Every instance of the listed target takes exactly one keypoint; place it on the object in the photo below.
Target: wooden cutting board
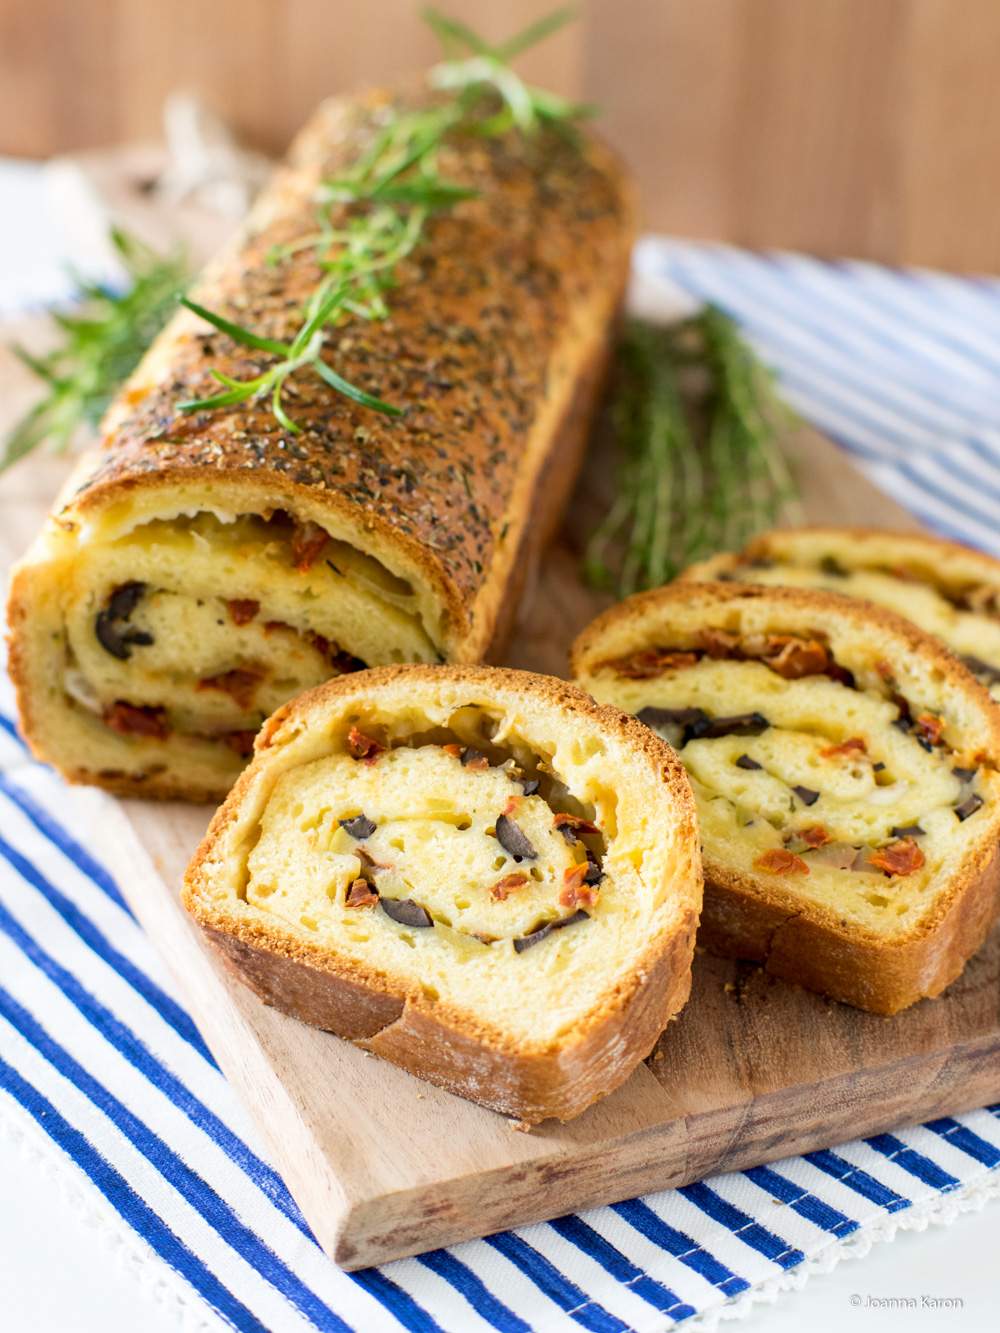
(383, 1165)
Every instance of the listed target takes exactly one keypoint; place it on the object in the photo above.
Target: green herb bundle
(697, 422)
(374, 214)
(102, 343)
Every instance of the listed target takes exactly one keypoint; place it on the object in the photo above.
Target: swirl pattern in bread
(950, 591)
(844, 765)
(479, 874)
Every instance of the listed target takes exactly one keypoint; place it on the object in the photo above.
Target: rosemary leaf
(101, 345)
(700, 472)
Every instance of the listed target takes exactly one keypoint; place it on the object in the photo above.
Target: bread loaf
(845, 769)
(950, 591)
(203, 568)
(478, 874)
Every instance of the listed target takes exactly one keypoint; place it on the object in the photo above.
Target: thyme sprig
(101, 345)
(374, 214)
(702, 469)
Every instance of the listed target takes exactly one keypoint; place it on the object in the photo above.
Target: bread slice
(845, 769)
(947, 589)
(200, 570)
(479, 874)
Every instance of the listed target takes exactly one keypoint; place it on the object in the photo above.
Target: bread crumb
(522, 1126)
(699, 949)
(728, 986)
(658, 1055)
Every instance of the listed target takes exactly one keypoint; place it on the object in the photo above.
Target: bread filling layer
(202, 628)
(814, 779)
(966, 619)
(424, 838)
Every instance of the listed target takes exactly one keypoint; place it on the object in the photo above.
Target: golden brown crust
(937, 555)
(509, 297)
(760, 917)
(629, 619)
(436, 1040)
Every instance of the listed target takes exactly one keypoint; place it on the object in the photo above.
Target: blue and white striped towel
(101, 1066)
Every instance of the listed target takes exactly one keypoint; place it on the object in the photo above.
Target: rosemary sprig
(100, 347)
(375, 212)
(696, 477)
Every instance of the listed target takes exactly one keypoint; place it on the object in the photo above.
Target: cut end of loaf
(479, 874)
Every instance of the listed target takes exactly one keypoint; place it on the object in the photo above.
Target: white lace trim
(178, 1299)
(127, 1249)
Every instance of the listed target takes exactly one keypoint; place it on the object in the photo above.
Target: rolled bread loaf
(202, 569)
(479, 874)
(845, 769)
(949, 590)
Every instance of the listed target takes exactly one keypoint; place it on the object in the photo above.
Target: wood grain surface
(753, 1069)
(843, 127)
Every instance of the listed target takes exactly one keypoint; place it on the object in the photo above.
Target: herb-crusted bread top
(486, 324)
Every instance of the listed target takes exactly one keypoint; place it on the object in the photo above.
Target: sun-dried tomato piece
(885, 670)
(271, 625)
(719, 643)
(506, 886)
(778, 861)
(308, 541)
(243, 609)
(796, 658)
(854, 745)
(902, 858)
(360, 894)
(240, 684)
(930, 727)
(576, 892)
(816, 836)
(474, 761)
(240, 741)
(363, 747)
(454, 750)
(651, 662)
(130, 720)
(512, 805)
(571, 826)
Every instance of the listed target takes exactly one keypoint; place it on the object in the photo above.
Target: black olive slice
(121, 604)
(526, 941)
(878, 768)
(469, 756)
(124, 600)
(746, 762)
(806, 795)
(529, 785)
(358, 827)
(672, 717)
(740, 724)
(594, 873)
(902, 724)
(969, 806)
(512, 840)
(831, 565)
(964, 774)
(109, 638)
(907, 831)
(988, 675)
(406, 912)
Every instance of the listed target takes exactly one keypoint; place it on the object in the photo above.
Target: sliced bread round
(845, 769)
(479, 874)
